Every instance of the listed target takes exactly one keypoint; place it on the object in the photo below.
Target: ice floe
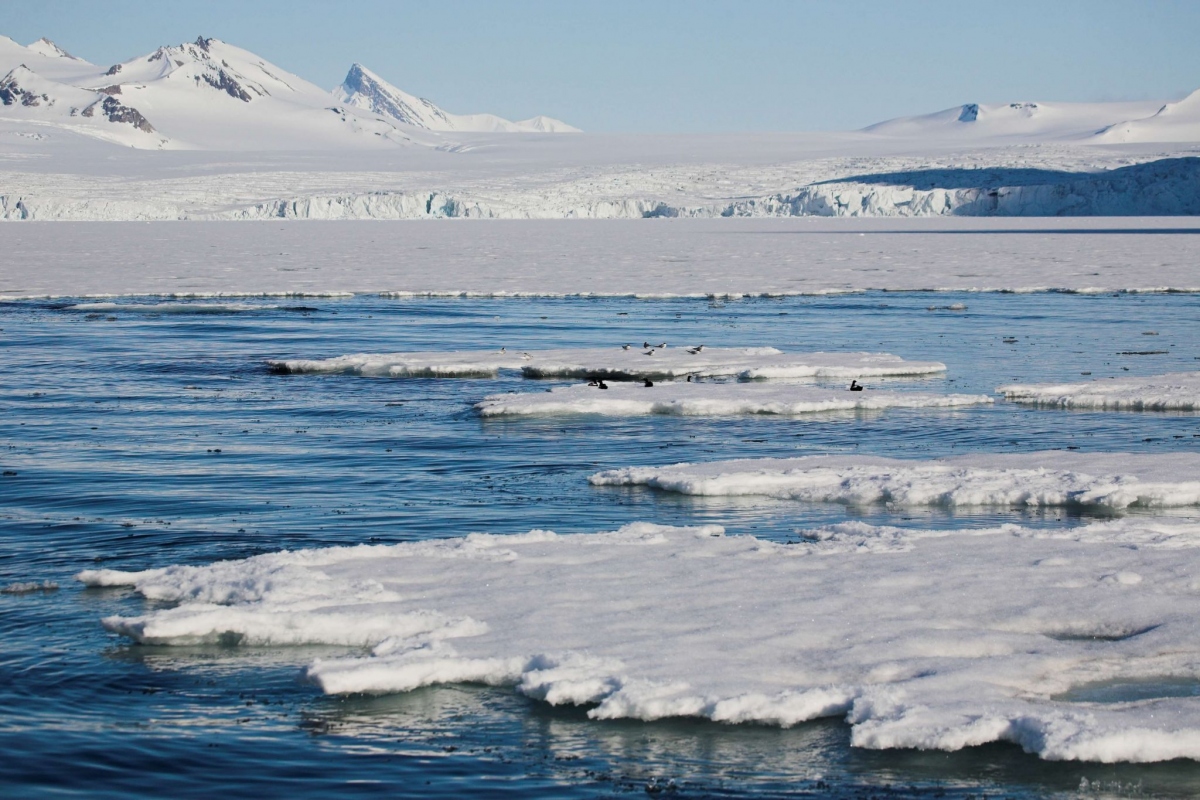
(918, 638)
(1054, 478)
(654, 362)
(1175, 391)
(683, 398)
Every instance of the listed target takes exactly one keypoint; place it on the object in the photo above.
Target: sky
(668, 66)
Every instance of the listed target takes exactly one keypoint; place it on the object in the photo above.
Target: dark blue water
(140, 439)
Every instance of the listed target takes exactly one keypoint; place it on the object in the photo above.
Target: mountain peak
(48, 48)
(363, 89)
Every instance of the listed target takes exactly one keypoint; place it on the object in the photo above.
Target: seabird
(696, 349)
(603, 385)
(645, 345)
(503, 349)
(624, 347)
(661, 346)
(526, 356)
(648, 353)
(649, 383)
(854, 387)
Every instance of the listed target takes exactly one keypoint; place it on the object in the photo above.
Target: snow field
(929, 639)
(1113, 481)
(615, 363)
(710, 399)
(718, 259)
(1175, 391)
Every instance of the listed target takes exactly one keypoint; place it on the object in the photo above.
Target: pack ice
(918, 638)
(1175, 391)
(709, 399)
(1114, 481)
(654, 362)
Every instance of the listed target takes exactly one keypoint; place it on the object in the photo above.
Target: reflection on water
(1132, 691)
(140, 440)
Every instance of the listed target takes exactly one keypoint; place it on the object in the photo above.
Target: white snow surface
(1175, 391)
(1173, 122)
(681, 398)
(618, 258)
(1103, 481)
(637, 363)
(917, 638)
(1048, 121)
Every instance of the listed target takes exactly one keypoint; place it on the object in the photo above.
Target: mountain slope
(366, 90)
(1014, 121)
(211, 95)
(1174, 122)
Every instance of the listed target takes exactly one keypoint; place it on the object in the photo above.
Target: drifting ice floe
(925, 639)
(1175, 391)
(710, 399)
(616, 363)
(1103, 480)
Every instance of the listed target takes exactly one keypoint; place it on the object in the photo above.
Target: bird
(645, 344)
(526, 356)
(696, 349)
(649, 383)
(648, 353)
(661, 346)
(603, 385)
(624, 347)
(503, 349)
(854, 387)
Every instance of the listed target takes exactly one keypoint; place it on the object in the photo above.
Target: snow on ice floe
(655, 362)
(682, 398)
(1111, 481)
(1176, 391)
(918, 638)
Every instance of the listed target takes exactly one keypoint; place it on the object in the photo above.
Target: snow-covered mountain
(366, 90)
(1016, 121)
(1173, 122)
(211, 95)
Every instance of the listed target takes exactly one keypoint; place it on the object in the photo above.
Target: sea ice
(710, 399)
(1054, 478)
(918, 638)
(615, 363)
(1175, 391)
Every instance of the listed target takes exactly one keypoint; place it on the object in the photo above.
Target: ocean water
(136, 436)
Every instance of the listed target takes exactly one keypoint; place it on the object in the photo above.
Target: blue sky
(669, 66)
